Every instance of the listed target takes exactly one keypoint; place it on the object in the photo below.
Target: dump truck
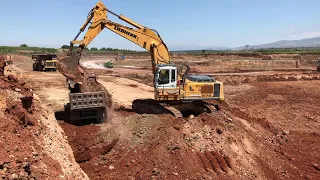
(318, 65)
(85, 107)
(44, 62)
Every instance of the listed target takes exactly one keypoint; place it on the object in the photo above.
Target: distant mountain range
(309, 42)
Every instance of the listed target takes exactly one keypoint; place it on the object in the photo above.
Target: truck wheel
(74, 118)
(34, 67)
(39, 67)
(100, 116)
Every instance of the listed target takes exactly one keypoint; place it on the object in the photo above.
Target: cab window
(173, 75)
(163, 76)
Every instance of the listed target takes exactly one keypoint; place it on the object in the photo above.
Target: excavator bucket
(69, 67)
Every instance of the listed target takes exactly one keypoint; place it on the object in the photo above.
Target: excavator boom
(142, 36)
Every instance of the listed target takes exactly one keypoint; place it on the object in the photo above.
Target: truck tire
(39, 67)
(100, 116)
(34, 67)
(74, 118)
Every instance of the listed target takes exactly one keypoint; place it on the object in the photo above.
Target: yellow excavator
(175, 90)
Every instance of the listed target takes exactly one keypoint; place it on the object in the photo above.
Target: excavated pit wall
(34, 145)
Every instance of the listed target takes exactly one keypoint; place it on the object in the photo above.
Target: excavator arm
(142, 36)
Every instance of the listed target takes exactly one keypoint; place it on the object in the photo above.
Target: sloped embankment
(33, 145)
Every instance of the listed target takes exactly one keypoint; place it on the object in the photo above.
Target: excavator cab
(166, 76)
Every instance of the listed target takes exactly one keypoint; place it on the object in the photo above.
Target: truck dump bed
(87, 100)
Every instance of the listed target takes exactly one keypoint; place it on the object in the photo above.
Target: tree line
(25, 49)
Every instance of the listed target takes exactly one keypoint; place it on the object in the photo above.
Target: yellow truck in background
(44, 62)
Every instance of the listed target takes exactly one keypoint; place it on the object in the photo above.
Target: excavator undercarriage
(178, 109)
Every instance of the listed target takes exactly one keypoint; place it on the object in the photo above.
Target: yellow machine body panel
(50, 64)
(203, 90)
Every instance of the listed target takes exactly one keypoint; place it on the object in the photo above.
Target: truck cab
(44, 62)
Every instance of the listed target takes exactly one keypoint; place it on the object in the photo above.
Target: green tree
(108, 65)
(94, 49)
(23, 45)
(65, 47)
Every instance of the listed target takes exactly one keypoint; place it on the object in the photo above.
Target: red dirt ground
(157, 150)
(261, 133)
(290, 113)
(268, 128)
(21, 154)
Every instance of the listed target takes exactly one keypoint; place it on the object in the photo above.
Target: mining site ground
(268, 127)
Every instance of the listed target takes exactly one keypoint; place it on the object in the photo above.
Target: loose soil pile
(151, 146)
(70, 68)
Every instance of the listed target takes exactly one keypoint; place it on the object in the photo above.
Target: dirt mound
(17, 126)
(25, 137)
(156, 147)
(2, 65)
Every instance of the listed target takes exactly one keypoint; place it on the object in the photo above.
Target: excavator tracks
(150, 106)
(177, 109)
(173, 110)
(211, 107)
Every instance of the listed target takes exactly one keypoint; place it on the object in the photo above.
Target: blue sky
(183, 24)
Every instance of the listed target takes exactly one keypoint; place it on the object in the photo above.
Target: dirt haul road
(265, 130)
(52, 87)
